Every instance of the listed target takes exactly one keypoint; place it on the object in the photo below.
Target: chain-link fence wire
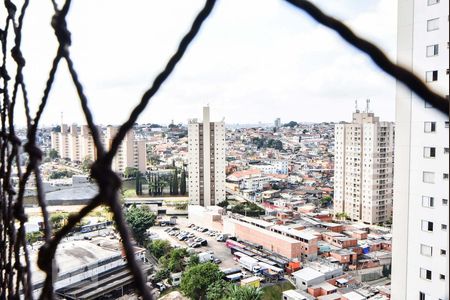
(15, 271)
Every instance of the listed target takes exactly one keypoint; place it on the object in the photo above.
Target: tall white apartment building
(206, 161)
(76, 144)
(131, 152)
(363, 172)
(420, 263)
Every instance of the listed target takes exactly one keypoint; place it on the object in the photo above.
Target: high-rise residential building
(277, 123)
(206, 161)
(420, 264)
(131, 152)
(76, 144)
(363, 172)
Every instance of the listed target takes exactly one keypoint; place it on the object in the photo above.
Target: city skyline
(247, 79)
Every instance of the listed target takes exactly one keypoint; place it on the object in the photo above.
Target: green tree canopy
(197, 279)
(217, 290)
(53, 154)
(130, 172)
(140, 219)
(86, 165)
(183, 183)
(235, 292)
(291, 124)
(58, 219)
(159, 248)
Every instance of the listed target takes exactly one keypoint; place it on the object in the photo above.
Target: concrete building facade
(363, 171)
(420, 264)
(206, 147)
(76, 144)
(131, 152)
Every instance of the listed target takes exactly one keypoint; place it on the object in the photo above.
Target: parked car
(196, 245)
(217, 261)
(203, 242)
(161, 286)
(204, 230)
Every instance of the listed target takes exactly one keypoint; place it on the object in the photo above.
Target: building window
(426, 250)
(429, 152)
(427, 226)
(425, 274)
(443, 252)
(444, 227)
(427, 201)
(446, 150)
(445, 202)
(431, 76)
(428, 177)
(430, 127)
(422, 296)
(432, 2)
(433, 24)
(441, 276)
(445, 176)
(446, 124)
(432, 50)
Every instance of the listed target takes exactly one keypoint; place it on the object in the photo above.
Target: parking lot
(219, 250)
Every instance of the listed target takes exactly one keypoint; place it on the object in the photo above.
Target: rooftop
(308, 274)
(294, 232)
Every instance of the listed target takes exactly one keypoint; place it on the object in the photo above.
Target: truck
(204, 257)
(233, 277)
(230, 271)
(249, 264)
(270, 271)
(253, 281)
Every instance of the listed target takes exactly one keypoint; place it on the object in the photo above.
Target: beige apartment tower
(420, 242)
(76, 144)
(131, 152)
(363, 171)
(206, 161)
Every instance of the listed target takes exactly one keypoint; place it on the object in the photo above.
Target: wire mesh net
(15, 270)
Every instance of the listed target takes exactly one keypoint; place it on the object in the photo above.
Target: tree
(138, 184)
(196, 280)
(33, 237)
(175, 182)
(341, 216)
(175, 262)
(60, 174)
(162, 274)
(217, 290)
(159, 248)
(58, 219)
(183, 183)
(325, 201)
(291, 124)
(386, 270)
(140, 219)
(244, 293)
(130, 172)
(53, 154)
(193, 260)
(223, 204)
(86, 165)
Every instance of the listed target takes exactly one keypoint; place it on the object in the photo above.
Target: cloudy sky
(254, 60)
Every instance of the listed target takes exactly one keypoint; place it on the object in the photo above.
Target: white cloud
(252, 61)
